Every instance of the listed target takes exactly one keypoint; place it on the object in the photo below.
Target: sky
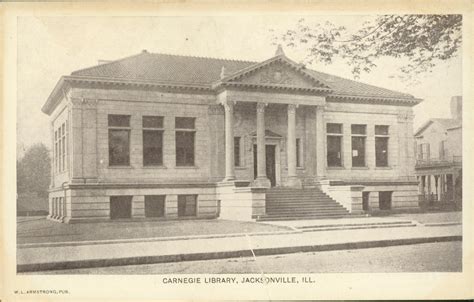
(49, 47)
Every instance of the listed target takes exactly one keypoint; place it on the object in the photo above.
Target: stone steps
(300, 204)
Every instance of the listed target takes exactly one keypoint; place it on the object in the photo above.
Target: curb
(36, 267)
(430, 224)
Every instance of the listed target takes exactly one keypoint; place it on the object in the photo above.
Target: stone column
(261, 180)
(291, 147)
(320, 144)
(229, 141)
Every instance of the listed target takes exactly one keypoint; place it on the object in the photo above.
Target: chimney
(456, 107)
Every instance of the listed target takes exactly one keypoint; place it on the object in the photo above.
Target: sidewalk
(133, 253)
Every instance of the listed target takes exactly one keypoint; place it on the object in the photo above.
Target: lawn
(40, 230)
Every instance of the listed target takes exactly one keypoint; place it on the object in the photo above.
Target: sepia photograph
(238, 149)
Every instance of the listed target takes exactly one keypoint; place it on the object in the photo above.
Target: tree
(33, 170)
(422, 40)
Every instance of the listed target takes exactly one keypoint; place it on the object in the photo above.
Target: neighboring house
(171, 137)
(439, 156)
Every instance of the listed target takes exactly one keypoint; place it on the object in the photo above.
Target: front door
(270, 163)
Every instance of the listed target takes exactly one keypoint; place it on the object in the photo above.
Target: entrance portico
(285, 150)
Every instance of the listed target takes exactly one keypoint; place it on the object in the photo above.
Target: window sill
(119, 167)
(384, 168)
(155, 167)
(186, 167)
(337, 168)
(360, 168)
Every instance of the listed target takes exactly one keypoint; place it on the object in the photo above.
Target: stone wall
(401, 159)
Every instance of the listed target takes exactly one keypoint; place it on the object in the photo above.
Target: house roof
(446, 123)
(202, 72)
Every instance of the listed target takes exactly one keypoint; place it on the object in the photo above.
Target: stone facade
(258, 112)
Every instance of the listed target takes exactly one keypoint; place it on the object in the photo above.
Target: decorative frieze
(215, 110)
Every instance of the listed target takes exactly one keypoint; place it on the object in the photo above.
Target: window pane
(187, 205)
(184, 123)
(155, 206)
(334, 155)
(152, 147)
(334, 128)
(358, 151)
(119, 120)
(119, 147)
(152, 122)
(358, 129)
(381, 130)
(237, 151)
(381, 151)
(184, 148)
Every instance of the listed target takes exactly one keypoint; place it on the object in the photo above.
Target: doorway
(270, 163)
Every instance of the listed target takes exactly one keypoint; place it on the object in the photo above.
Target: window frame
(362, 136)
(191, 131)
(183, 198)
(151, 129)
(111, 129)
(339, 135)
(384, 137)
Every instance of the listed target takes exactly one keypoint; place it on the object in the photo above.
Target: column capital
(215, 110)
(292, 108)
(228, 106)
(261, 107)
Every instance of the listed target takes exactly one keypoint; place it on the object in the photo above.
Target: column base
(294, 182)
(262, 182)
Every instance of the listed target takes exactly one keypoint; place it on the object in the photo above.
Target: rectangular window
(334, 145)
(298, 153)
(442, 150)
(385, 200)
(119, 140)
(381, 146)
(120, 207)
(187, 205)
(185, 133)
(381, 151)
(237, 162)
(381, 130)
(358, 145)
(116, 120)
(60, 143)
(152, 140)
(334, 155)
(63, 127)
(155, 206)
(56, 151)
(184, 123)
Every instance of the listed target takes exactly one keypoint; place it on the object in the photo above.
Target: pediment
(277, 72)
(268, 134)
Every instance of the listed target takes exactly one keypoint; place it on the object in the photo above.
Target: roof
(446, 123)
(165, 68)
(203, 72)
